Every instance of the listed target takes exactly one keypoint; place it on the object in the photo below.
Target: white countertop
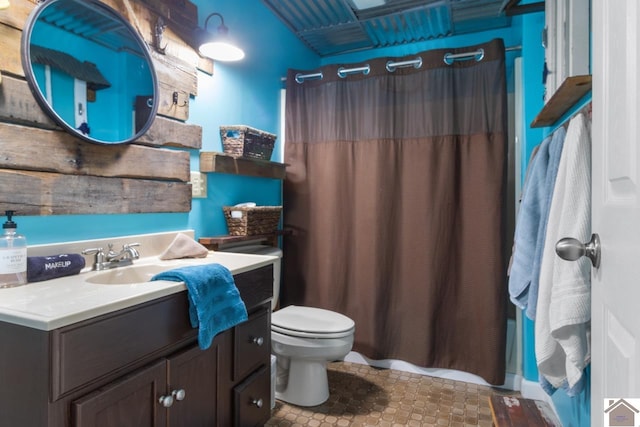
(63, 301)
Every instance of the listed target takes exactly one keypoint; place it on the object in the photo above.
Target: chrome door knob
(571, 249)
(257, 341)
(257, 402)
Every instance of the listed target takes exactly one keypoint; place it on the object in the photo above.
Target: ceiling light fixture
(217, 46)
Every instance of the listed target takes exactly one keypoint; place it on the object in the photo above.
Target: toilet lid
(311, 322)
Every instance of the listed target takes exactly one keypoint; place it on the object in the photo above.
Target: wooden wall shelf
(214, 243)
(569, 92)
(222, 163)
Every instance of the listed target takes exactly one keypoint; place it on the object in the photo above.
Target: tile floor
(361, 395)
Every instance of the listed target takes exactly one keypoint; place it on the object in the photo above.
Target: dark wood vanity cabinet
(182, 389)
(141, 366)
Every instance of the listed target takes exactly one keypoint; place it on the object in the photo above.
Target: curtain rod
(391, 66)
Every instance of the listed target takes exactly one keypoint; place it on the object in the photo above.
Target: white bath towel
(563, 316)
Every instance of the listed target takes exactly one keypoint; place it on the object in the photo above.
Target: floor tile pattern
(362, 395)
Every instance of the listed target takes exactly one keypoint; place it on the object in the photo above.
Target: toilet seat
(311, 322)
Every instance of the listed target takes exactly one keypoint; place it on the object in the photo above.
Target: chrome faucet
(113, 259)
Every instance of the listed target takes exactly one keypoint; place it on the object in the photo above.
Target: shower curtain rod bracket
(449, 58)
(415, 63)
(344, 72)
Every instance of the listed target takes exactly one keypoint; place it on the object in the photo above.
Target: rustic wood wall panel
(41, 193)
(45, 171)
(60, 152)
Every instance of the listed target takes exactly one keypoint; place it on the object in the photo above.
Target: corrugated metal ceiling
(89, 22)
(331, 27)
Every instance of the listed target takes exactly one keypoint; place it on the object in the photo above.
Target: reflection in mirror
(90, 70)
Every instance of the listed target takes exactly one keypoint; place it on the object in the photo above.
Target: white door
(80, 102)
(616, 203)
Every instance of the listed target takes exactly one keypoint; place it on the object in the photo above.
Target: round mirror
(90, 70)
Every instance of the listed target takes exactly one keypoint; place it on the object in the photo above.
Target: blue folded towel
(214, 300)
(41, 268)
(531, 225)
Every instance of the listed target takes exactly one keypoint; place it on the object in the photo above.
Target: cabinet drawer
(255, 286)
(252, 344)
(94, 348)
(252, 399)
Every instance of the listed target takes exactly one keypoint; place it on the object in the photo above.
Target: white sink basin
(127, 275)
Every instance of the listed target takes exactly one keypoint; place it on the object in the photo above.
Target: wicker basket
(244, 141)
(251, 221)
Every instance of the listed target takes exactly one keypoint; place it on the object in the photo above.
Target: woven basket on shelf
(252, 221)
(244, 141)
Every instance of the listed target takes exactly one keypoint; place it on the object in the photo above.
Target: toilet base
(306, 382)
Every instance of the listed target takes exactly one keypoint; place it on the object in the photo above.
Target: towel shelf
(567, 95)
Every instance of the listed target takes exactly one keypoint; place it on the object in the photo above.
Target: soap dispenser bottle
(13, 255)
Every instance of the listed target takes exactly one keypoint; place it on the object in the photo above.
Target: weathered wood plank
(176, 72)
(57, 151)
(41, 193)
(16, 15)
(144, 19)
(172, 133)
(18, 105)
(182, 13)
(10, 50)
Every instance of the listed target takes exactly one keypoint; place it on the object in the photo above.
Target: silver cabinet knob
(571, 249)
(257, 402)
(258, 341)
(166, 401)
(178, 394)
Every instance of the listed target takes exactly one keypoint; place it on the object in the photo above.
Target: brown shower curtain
(395, 197)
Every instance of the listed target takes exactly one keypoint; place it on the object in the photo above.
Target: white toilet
(304, 340)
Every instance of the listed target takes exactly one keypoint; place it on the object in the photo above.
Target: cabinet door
(130, 402)
(193, 381)
(252, 399)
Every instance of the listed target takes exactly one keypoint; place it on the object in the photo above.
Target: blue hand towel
(214, 300)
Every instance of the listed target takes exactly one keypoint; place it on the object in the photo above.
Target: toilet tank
(255, 249)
